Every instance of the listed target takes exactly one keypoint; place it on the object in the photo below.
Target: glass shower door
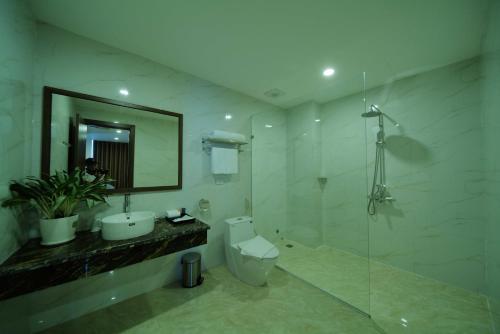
(427, 243)
(309, 175)
(344, 201)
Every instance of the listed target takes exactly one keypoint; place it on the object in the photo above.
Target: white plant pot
(59, 230)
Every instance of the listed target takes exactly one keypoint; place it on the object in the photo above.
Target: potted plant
(57, 199)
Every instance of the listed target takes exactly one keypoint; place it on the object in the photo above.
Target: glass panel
(438, 206)
(490, 109)
(345, 238)
(309, 194)
(269, 174)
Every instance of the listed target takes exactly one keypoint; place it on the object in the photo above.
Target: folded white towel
(224, 160)
(227, 136)
(173, 213)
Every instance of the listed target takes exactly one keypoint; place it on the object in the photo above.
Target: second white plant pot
(59, 230)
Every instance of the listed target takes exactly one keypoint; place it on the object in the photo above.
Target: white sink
(127, 225)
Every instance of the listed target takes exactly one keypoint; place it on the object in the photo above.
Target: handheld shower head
(392, 120)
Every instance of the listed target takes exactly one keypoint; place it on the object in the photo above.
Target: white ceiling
(253, 46)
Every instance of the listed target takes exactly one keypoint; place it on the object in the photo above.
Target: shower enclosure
(399, 220)
(309, 195)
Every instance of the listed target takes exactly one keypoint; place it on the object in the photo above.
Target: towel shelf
(208, 143)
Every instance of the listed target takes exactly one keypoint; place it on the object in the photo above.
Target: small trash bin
(191, 270)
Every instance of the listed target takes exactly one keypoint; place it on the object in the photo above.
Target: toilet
(249, 256)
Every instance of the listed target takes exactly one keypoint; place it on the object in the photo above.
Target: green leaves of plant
(59, 195)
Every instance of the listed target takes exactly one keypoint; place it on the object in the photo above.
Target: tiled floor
(401, 302)
(223, 304)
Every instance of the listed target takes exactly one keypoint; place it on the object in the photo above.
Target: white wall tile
(67, 61)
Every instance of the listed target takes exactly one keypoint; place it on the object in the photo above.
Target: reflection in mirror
(108, 151)
(138, 148)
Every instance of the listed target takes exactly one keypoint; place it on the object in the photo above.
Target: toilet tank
(238, 229)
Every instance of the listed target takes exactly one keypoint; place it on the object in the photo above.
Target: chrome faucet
(126, 205)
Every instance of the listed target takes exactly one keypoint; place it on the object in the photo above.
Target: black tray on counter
(189, 221)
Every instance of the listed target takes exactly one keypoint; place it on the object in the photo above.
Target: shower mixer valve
(381, 194)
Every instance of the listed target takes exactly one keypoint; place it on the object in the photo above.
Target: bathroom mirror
(139, 148)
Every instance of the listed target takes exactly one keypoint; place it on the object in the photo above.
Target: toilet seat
(258, 247)
(249, 256)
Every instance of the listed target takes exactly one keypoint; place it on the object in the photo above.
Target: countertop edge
(7, 269)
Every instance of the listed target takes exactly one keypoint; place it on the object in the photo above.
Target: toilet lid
(258, 247)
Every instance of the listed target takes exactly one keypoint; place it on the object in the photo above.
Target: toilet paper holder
(204, 205)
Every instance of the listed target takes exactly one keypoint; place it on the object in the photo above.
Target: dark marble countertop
(33, 256)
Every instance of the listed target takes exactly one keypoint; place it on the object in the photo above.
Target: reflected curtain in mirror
(114, 158)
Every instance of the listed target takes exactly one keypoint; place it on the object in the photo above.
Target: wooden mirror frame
(46, 134)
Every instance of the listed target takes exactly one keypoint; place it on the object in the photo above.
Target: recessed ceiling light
(124, 92)
(116, 122)
(317, 120)
(228, 116)
(118, 131)
(268, 126)
(328, 72)
(116, 138)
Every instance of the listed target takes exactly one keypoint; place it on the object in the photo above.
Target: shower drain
(289, 245)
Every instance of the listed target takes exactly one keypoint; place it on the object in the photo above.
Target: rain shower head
(374, 111)
(371, 114)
